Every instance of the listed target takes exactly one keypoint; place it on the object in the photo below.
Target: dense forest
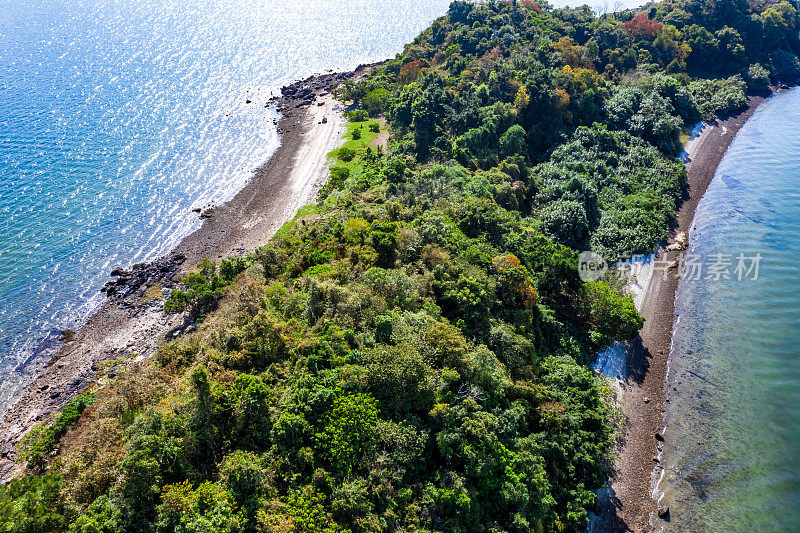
(410, 353)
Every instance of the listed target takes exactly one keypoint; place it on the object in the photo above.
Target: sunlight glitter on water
(116, 119)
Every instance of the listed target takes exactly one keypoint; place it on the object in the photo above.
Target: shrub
(410, 72)
(757, 77)
(204, 288)
(207, 508)
(33, 503)
(346, 154)
(718, 97)
(375, 101)
(44, 438)
(357, 115)
(610, 315)
(348, 435)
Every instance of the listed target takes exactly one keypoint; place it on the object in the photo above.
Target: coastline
(631, 505)
(130, 324)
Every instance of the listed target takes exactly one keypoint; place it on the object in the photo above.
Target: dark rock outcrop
(141, 276)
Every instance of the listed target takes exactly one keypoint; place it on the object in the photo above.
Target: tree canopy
(410, 353)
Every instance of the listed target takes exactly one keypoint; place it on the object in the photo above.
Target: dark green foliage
(608, 314)
(610, 191)
(348, 433)
(203, 288)
(409, 354)
(43, 439)
(32, 504)
(346, 154)
(650, 116)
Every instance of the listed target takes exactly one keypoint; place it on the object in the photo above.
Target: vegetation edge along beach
(410, 352)
(631, 505)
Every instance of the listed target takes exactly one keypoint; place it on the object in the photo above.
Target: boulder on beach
(681, 242)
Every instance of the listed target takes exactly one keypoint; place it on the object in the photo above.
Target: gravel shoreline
(631, 505)
(130, 324)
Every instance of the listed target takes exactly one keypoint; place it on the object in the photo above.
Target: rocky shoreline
(629, 503)
(131, 324)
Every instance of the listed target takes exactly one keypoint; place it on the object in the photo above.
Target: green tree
(347, 436)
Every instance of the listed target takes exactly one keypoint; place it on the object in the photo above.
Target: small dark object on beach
(663, 512)
(324, 120)
(646, 399)
(248, 102)
(196, 210)
(659, 436)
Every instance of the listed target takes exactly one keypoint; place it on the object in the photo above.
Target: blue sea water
(118, 117)
(732, 451)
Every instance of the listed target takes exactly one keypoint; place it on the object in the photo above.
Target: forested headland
(411, 352)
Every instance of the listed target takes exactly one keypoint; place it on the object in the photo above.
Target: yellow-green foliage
(410, 354)
(351, 158)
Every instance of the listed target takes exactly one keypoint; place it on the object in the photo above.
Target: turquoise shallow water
(732, 452)
(116, 118)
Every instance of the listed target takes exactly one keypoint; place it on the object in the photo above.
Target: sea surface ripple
(117, 118)
(733, 422)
